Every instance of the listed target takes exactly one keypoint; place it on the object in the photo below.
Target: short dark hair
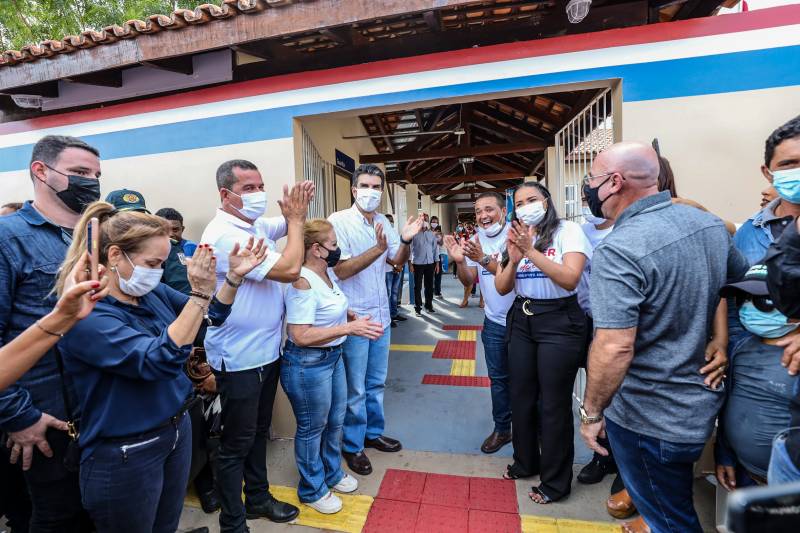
(48, 148)
(225, 176)
(170, 214)
(790, 130)
(367, 168)
(546, 229)
(499, 198)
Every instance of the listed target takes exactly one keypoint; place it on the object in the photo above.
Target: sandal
(513, 472)
(544, 499)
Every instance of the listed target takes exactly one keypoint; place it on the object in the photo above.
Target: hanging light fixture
(577, 10)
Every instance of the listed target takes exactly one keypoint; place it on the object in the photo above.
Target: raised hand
(201, 270)
(362, 327)
(380, 237)
(473, 249)
(241, 261)
(454, 248)
(522, 236)
(412, 227)
(294, 204)
(515, 255)
(81, 293)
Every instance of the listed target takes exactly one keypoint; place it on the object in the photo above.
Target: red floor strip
(458, 381)
(442, 489)
(457, 327)
(390, 515)
(441, 519)
(454, 350)
(402, 485)
(489, 494)
(491, 522)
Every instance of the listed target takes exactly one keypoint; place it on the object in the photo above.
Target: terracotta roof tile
(131, 29)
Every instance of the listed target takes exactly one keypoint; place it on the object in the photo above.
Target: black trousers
(247, 397)
(423, 273)
(544, 352)
(14, 501)
(437, 280)
(201, 473)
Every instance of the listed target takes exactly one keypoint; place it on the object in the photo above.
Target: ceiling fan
(458, 131)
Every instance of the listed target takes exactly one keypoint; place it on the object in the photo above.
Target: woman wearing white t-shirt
(312, 370)
(546, 333)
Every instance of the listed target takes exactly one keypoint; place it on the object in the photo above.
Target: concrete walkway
(442, 428)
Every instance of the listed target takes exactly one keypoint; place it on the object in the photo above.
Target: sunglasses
(762, 303)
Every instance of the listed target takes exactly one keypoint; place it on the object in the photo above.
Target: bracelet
(53, 333)
(204, 309)
(407, 243)
(200, 295)
(232, 284)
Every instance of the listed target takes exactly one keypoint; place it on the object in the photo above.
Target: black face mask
(593, 200)
(79, 193)
(333, 256)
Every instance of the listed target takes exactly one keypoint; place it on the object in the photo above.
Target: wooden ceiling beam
(471, 178)
(528, 110)
(520, 124)
(179, 65)
(459, 151)
(107, 78)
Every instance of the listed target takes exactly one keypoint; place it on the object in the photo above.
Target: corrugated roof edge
(132, 29)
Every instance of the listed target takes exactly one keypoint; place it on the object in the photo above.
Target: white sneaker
(347, 485)
(328, 504)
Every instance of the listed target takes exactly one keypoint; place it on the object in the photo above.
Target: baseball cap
(754, 283)
(127, 200)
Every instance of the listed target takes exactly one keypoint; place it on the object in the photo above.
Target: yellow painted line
(411, 347)
(467, 335)
(350, 519)
(462, 367)
(544, 524)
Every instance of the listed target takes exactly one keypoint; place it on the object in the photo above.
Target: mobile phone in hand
(93, 247)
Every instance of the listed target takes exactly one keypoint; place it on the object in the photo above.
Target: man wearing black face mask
(33, 242)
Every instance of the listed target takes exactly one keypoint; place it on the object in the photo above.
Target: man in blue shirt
(175, 267)
(65, 172)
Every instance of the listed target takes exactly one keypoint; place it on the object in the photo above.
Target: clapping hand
(241, 261)
(522, 236)
(294, 204)
(412, 227)
(202, 270)
(362, 327)
(473, 249)
(380, 237)
(454, 248)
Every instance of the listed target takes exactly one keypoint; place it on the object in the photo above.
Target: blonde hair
(125, 229)
(316, 231)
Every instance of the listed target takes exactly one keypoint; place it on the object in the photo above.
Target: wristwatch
(485, 260)
(587, 420)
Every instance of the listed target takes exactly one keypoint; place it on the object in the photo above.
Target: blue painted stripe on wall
(741, 71)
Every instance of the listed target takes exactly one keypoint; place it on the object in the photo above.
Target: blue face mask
(766, 325)
(787, 183)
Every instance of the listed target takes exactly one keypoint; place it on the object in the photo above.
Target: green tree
(32, 21)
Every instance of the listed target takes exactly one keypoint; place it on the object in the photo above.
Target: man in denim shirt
(33, 242)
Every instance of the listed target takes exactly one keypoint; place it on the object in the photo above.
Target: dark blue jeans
(658, 476)
(138, 485)
(496, 351)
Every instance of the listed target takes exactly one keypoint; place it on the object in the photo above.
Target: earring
(113, 269)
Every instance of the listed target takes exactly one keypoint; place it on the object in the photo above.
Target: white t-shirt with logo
(533, 283)
(595, 237)
(320, 306)
(496, 305)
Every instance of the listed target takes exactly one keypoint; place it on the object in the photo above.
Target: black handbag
(72, 454)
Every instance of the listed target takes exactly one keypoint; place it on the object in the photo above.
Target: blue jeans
(314, 381)
(658, 475)
(393, 290)
(137, 485)
(366, 364)
(496, 351)
(781, 467)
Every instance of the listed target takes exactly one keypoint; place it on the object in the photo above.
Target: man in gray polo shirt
(654, 291)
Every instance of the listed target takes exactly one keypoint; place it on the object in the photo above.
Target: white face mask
(532, 213)
(142, 280)
(368, 199)
(492, 231)
(590, 218)
(434, 225)
(254, 204)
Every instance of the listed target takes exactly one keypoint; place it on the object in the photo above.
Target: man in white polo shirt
(368, 242)
(244, 352)
(478, 258)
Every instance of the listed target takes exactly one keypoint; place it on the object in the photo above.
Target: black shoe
(394, 324)
(358, 462)
(209, 501)
(418, 312)
(272, 510)
(194, 530)
(596, 470)
(430, 309)
(399, 318)
(383, 444)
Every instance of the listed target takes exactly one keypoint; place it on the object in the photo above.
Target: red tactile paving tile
(491, 522)
(456, 327)
(402, 485)
(441, 519)
(391, 515)
(490, 494)
(443, 489)
(458, 381)
(454, 350)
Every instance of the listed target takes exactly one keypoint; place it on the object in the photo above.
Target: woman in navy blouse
(126, 360)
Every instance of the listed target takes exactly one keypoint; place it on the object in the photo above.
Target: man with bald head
(654, 290)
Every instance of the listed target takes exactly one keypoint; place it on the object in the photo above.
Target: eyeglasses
(588, 177)
(762, 303)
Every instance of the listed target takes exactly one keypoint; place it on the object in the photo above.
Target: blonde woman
(126, 359)
(312, 370)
